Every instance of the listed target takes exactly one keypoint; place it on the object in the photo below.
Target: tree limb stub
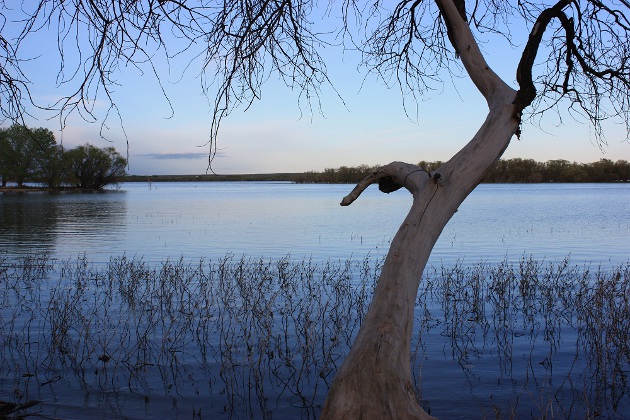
(390, 178)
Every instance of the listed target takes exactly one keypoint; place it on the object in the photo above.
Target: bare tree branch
(576, 51)
(390, 178)
(587, 62)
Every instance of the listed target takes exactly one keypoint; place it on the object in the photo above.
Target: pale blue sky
(275, 136)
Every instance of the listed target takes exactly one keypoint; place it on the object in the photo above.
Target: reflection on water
(44, 223)
(28, 224)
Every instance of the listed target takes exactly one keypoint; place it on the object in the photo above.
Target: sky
(369, 125)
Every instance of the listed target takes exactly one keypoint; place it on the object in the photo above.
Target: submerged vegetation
(260, 338)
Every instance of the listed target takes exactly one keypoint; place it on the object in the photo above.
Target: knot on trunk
(389, 184)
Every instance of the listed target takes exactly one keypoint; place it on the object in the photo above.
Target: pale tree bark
(374, 381)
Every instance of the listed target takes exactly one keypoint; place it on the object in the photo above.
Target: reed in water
(248, 337)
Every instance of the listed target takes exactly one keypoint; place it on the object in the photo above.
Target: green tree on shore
(94, 168)
(33, 155)
(53, 170)
(24, 152)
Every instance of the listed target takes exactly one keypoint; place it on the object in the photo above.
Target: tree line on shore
(33, 155)
(514, 170)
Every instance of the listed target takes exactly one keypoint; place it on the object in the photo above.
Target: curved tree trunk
(375, 379)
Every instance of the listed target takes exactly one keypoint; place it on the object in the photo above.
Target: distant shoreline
(298, 178)
(510, 171)
(294, 177)
(290, 177)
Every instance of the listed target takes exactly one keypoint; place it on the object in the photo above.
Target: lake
(589, 222)
(238, 300)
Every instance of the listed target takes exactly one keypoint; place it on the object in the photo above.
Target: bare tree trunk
(375, 379)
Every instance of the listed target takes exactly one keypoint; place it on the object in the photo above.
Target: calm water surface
(589, 222)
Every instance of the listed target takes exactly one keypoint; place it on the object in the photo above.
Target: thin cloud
(177, 156)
